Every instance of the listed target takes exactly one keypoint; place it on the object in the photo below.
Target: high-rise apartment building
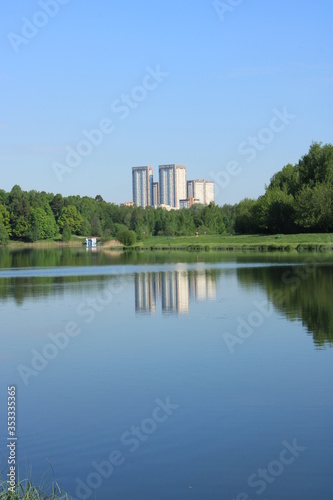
(156, 194)
(209, 192)
(142, 183)
(172, 184)
(201, 190)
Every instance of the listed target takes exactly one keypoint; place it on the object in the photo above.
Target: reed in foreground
(25, 490)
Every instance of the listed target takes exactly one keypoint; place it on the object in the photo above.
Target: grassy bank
(214, 242)
(74, 242)
(299, 242)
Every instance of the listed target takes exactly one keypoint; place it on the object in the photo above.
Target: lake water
(157, 376)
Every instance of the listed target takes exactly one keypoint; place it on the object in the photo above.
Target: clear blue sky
(227, 74)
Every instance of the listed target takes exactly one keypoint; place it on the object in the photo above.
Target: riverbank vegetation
(283, 242)
(26, 490)
(298, 199)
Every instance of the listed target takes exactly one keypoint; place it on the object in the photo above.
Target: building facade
(187, 203)
(172, 184)
(142, 184)
(209, 192)
(156, 194)
(201, 190)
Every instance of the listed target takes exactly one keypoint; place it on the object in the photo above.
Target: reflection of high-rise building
(145, 292)
(172, 184)
(142, 183)
(175, 287)
(202, 285)
(201, 190)
(175, 292)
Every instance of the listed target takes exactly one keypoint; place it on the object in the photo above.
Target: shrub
(126, 237)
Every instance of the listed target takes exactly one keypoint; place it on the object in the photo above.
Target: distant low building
(127, 204)
(167, 207)
(188, 202)
(91, 241)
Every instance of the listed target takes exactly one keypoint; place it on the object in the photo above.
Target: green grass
(227, 242)
(25, 490)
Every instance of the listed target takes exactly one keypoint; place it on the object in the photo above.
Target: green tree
(314, 208)
(85, 229)
(4, 236)
(42, 224)
(5, 219)
(66, 233)
(71, 217)
(56, 205)
(286, 180)
(21, 228)
(317, 165)
(18, 205)
(96, 228)
(245, 218)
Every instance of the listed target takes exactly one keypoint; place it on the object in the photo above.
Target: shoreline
(318, 242)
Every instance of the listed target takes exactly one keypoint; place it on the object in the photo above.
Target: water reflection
(300, 293)
(174, 289)
(297, 291)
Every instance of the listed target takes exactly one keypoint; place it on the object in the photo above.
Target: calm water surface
(154, 376)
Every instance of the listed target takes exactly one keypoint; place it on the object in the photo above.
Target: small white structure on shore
(91, 241)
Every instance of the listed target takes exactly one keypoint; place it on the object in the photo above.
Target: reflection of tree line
(174, 288)
(306, 290)
(39, 288)
(300, 293)
(45, 257)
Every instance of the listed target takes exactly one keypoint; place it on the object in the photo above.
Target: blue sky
(224, 77)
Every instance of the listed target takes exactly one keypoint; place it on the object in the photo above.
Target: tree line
(32, 216)
(299, 198)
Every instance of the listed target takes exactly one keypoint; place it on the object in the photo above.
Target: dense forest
(299, 198)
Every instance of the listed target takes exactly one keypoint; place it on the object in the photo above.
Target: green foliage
(56, 205)
(71, 217)
(66, 233)
(5, 219)
(314, 208)
(245, 221)
(85, 229)
(298, 198)
(4, 236)
(21, 228)
(127, 237)
(42, 224)
(96, 228)
(273, 212)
